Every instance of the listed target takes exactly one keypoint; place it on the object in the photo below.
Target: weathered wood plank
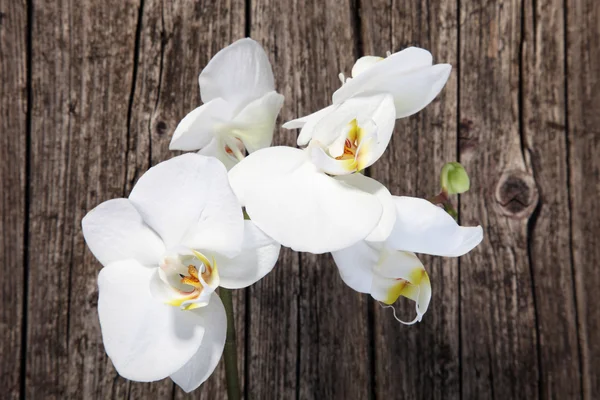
(13, 150)
(334, 337)
(82, 63)
(419, 361)
(177, 40)
(298, 311)
(583, 94)
(272, 347)
(545, 148)
(498, 323)
(320, 349)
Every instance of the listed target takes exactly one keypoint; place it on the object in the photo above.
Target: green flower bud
(454, 179)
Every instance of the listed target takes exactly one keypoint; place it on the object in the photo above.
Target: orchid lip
(350, 152)
(188, 279)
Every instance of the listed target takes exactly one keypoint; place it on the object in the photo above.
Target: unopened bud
(454, 178)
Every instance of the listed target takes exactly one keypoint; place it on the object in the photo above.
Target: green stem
(230, 352)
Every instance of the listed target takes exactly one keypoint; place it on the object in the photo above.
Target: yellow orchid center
(202, 277)
(355, 148)
(408, 288)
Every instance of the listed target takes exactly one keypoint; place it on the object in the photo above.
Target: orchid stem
(230, 352)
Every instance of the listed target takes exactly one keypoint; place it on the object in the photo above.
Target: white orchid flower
(165, 250)
(409, 76)
(312, 200)
(389, 269)
(240, 105)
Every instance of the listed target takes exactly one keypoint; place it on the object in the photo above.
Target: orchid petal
(373, 116)
(145, 339)
(202, 364)
(254, 125)
(330, 165)
(387, 274)
(115, 231)
(364, 63)
(239, 73)
(423, 227)
(198, 127)
(355, 264)
(257, 258)
(187, 200)
(397, 64)
(308, 124)
(300, 207)
(378, 108)
(401, 273)
(217, 148)
(408, 75)
(388, 217)
(414, 91)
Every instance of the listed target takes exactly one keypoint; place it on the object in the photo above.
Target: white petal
(375, 114)
(364, 63)
(274, 163)
(300, 207)
(187, 200)
(356, 263)
(401, 273)
(198, 127)
(115, 231)
(257, 258)
(410, 59)
(361, 108)
(388, 217)
(422, 227)
(414, 91)
(413, 81)
(216, 148)
(239, 73)
(384, 273)
(254, 125)
(145, 339)
(205, 360)
(324, 162)
(307, 124)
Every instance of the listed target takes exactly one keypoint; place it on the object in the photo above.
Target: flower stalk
(230, 351)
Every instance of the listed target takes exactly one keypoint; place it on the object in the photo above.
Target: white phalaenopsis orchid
(389, 269)
(409, 76)
(353, 136)
(165, 250)
(312, 200)
(240, 105)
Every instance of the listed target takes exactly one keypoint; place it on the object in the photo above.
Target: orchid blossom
(389, 269)
(240, 106)
(165, 250)
(313, 200)
(409, 76)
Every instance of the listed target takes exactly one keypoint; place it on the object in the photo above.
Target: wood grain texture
(499, 339)
(273, 303)
(13, 180)
(419, 361)
(82, 63)
(545, 149)
(109, 81)
(333, 351)
(320, 326)
(273, 319)
(583, 94)
(177, 39)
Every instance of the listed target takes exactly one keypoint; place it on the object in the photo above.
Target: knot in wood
(517, 194)
(161, 127)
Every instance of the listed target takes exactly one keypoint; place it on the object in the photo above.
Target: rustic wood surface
(90, 92)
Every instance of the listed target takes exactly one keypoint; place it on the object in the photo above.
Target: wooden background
(90, 92)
